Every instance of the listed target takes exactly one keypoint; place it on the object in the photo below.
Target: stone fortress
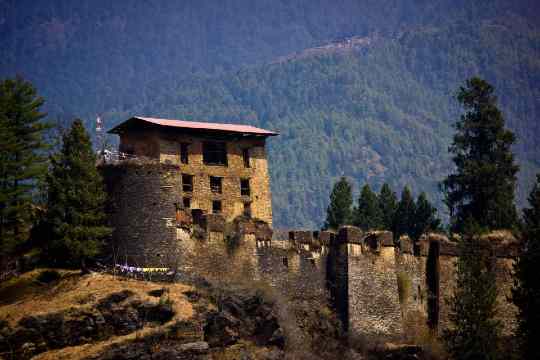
(196, 196)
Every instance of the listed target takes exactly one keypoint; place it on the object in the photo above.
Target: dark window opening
(432, 282)
(184, 153)
(187, 202)
(244, 187)
(247, 209)
(216, 207)
(127, 149)
(215, 184)
(245, 156)
(187, 183)
(215, 153)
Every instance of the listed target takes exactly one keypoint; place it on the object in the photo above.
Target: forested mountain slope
(377, 113)
(90, 56)
(380, 111)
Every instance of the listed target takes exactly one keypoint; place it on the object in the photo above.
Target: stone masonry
(244, 167)
(377, 288)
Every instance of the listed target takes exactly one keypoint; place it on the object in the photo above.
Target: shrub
(404, 287)
(48, 276)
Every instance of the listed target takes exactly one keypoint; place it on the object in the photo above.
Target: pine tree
(367, 215)
(339, 211)
(424, 218)
(22, 159)
(76, 198)
(404, 215)
(474, 333)
(526, 294)
(388, 205)
(482, 188)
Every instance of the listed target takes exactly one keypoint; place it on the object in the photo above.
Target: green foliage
(22, 161)
(482, 187)
(75, 209)
(424, 219)
(359, 114)
(339, 210)
(368, 215)
(526, 292)
(404, 216)
(388, 205)
(474, 333)
(378, 112)
(404, 287)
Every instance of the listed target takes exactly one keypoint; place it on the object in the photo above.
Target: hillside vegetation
(377, 113)
(380, 111)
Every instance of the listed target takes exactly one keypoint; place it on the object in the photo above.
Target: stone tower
(169, 165)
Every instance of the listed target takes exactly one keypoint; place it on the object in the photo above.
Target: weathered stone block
(386, 238)
(374, 240)
(301, 237)
(448, 248)
(327, 238)
(244, 226)
(214, 223)
(507, 251)
(423, 246)
(350, 234)
(263, 231)
(405, 245)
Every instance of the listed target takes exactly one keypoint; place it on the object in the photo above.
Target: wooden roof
(193, 125)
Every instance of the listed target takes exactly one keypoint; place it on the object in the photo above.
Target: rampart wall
(376, 288)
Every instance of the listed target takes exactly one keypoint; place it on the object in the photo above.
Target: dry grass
(24, 296)
(92, 349)
(501, 237)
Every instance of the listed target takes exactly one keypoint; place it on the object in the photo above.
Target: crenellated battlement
(377, 287)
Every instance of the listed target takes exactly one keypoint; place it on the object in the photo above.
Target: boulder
(198, 347)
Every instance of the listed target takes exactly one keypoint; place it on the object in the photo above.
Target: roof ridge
(201, 125)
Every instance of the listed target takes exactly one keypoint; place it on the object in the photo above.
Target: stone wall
(376, 288)
(505, 247)
(390, 292)
(141, 210)
(165, 147)
(373, 300)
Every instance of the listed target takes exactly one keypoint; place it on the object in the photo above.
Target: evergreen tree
(474, 332)
(482, 188)
(388, 206)
(339, 211)
(424, 219)
(75, 214)
(526, 294)
(22, 159)
(404, 215)
(368, 215)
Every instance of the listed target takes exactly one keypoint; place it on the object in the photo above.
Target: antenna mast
(100, 141)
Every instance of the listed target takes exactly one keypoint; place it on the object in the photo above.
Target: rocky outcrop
(118, 314)
(245, 315)
(225, 322)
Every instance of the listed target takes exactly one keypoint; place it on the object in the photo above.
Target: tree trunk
(84, 269)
